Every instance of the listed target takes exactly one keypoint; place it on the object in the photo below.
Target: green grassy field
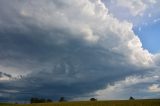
(97, 103)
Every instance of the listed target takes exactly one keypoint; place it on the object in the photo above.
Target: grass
(96, 103)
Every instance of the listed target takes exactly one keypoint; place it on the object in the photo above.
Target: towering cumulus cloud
(72, 48)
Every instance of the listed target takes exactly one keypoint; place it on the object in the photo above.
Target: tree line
(62, 99)
(43, 100)
(39, 100)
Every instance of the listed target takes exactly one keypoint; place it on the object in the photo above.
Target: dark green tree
(62, 99)
(48, 100)
(93, 99)
(131, 98)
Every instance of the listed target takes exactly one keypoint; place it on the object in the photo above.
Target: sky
(78, 49)
(149, 36)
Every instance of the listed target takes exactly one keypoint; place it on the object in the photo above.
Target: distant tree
(62, 99)
(33, 100)
(39, 100)
(42, 100)
(48, 100)
(131, 98)
(93, 99)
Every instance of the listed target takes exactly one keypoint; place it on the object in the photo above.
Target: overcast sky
(79, 49)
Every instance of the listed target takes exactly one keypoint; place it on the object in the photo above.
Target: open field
(97, 103)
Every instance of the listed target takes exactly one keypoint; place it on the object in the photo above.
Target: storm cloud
(69, 48)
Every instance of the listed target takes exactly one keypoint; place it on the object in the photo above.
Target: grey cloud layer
(65, 48)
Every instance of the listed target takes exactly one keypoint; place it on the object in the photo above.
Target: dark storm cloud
(60, 53)
(71, 69)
